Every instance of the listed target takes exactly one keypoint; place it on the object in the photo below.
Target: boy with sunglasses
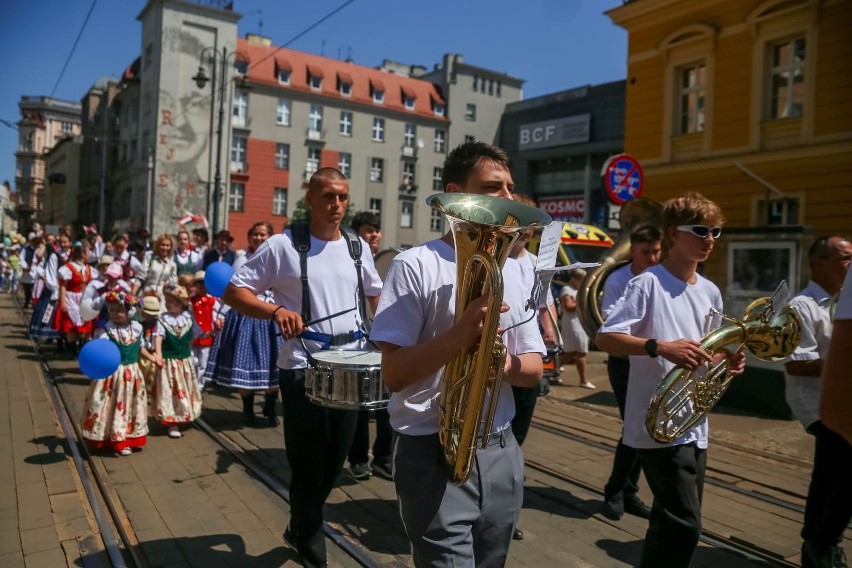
(659, 322)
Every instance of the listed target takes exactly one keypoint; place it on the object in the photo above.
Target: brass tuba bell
(684, 397)
(484, 231)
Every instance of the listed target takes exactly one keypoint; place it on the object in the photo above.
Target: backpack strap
(353, 242)
(302, 242)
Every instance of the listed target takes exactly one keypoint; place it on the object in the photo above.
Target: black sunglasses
(701, 231)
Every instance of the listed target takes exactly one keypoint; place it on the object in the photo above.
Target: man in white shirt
(620, 491)
(658, 323)
(317, 439)
(469, 524)
(829, 504)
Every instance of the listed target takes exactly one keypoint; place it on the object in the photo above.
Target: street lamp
(201, 79)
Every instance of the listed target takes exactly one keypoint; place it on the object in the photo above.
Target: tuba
(484, 231)
(684, 397)
(635, 212)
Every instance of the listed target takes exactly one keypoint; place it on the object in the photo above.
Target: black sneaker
(518, 534)
(291, 543)
(359, 471)
(635, 506)
(382, 469)
(613, 510)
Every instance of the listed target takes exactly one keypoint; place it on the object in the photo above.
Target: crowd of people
(315, 286)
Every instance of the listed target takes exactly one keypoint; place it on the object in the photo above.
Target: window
(436, 221)
(377, 169)
(475, 83)
(315, 82)
(344, 164)
(440, 109)
(346, 89)
(149, 55)
(67, 128)
(279, 201)
(470, 112)
(692, 83)
(282, 156)
(440, 141)
(783, 211)
(284, 76)
(378, 96)
(238, 154)
(315, 119)
(241, 67)
(406, 214)
(437, 179)
(408, 102)
(312, 165)
(468, 138)
(282, 113)
(375, 206)
(787, 79)
(240, 109)
(378, 130)
(499, 89)
(410, 135)
(27, 144)
(236, 196)
(345, 123)
(490, 86)
(408, 176)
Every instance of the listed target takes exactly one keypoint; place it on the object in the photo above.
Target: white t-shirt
(527, 262)
(614, 287)
(418, 303)
(333, 285)
(659, 305)
(843, 310)
(813, 305)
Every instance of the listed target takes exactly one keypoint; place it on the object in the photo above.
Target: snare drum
(348, 380)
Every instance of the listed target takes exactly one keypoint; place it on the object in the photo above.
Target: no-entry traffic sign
(623, 178)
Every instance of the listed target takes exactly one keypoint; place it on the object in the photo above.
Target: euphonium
(684, 397)
(484, 231)
(635, 212)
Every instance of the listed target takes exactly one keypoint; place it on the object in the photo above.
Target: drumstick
(326, 318)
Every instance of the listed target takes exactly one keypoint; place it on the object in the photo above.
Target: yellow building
(750, 103)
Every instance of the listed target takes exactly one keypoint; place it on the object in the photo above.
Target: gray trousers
(459, 525)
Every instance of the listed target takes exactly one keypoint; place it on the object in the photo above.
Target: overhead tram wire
(73, 47)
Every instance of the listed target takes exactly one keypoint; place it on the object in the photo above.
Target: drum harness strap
(302, 242)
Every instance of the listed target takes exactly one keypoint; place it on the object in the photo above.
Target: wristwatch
(651, 347)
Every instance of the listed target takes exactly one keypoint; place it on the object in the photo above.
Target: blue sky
(552, 44)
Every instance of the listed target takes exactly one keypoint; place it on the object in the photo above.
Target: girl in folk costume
(187, 260)
(129, 264)
(73, 277)
(176, 398)
(115, 414)
(44, 314)
(245, 353)
(93, 305)
(205, 310)
(150, 315)
(162, 270)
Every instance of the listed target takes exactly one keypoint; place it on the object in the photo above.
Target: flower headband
(121, 297)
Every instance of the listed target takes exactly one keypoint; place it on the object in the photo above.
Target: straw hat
(151, 306)
(199, 275)
(179, 293)
(106, 260)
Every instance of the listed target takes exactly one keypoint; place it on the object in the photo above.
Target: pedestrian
(200, 243)
(44, 314)
(176, 399)
(664, 313)
(28, 252)
(245, 354)
(161, 270)
(317, 438)
(368, 225)
(828, 507)
(470, 524)
(221, 250)
(73, 277)
(204, 311)
(575, 341)
(115, 413)
(621, 490)
(186, 259)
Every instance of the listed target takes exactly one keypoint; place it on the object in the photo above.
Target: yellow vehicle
(580, 243)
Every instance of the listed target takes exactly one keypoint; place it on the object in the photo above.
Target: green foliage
(303, 215)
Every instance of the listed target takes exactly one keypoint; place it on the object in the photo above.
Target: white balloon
(87, 311)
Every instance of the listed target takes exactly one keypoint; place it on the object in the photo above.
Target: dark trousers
(317, 441)
(28, 293)
(525, 399)
(624, 479)
(675, 475)
(829, 505)
(361, 442)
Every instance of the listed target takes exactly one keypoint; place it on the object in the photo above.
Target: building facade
(62, 183)
(44, 121)
(559, 143)
(746, 102)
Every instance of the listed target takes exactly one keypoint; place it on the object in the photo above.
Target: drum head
(383, 259)
(355, 358)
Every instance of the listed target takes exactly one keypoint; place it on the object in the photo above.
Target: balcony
(315, 135)
(409, 151)
(407, 187)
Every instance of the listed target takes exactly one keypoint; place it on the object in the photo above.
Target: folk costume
(74, 275)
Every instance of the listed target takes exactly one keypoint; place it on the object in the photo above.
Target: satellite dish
(420, 143)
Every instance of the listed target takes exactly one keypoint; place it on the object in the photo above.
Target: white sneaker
(174, 432)
(588, 386)
(125, 452)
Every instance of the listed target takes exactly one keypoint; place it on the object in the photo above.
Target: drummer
(368, 225)
(317, 439)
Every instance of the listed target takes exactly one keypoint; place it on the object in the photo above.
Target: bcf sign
(556, 132)
(564, 208)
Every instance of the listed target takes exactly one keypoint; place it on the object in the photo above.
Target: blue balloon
(216, 278)
(99, 358)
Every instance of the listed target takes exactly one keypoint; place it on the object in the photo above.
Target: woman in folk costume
(115, 414)
(187, 260)
(73, 277)
(44, 313)
(162, 270)
(245, 353)
(176, 398)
